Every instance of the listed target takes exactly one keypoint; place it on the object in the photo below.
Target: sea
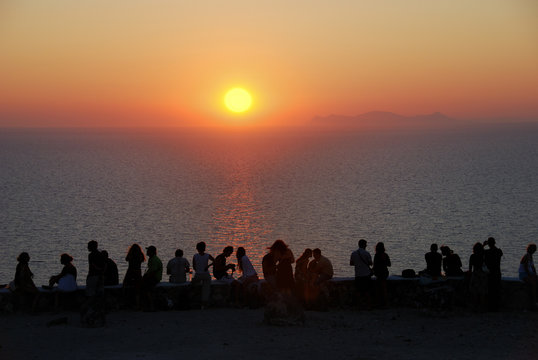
(171, 188)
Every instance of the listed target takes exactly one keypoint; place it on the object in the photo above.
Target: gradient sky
(144, 63)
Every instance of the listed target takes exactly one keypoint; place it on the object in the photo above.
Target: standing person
(96, 271)
(178, 268)
(200, 263)
(23, 284)
(284, 270)
(362, 261)
(301, 275)
(451, 262)
(381, 272)
(433, 262)
(133, 277)
(527, 273)
(220, 268)
(152, 276)
(93, 309)
(111, 270)
(492, 258)
(269, 269)
(321, 270)
(479, 279)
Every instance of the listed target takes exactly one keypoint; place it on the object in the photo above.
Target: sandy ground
(241, 334)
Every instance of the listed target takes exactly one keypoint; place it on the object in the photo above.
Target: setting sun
(238, 100)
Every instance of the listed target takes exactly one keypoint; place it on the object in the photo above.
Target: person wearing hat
(153, 274)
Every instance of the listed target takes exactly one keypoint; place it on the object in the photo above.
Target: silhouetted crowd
(307, 282)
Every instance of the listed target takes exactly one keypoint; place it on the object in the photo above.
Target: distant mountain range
(384, 119)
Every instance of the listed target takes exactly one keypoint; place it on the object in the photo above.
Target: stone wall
(446, 293)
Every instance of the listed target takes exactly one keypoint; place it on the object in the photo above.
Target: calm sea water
(61, 188)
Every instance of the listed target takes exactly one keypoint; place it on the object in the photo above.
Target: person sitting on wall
(23, 285)
(451, 262)
(244, 292)
(111, 270)
(433, 262)
(269, 269)
(220, 268)
(66, 279)
(178, 268)
(323, 268)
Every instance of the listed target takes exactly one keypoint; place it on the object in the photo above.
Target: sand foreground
(241, 334)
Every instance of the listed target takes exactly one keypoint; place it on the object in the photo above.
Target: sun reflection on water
(238, 217)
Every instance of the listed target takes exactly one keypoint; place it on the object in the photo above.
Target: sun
(238, 100)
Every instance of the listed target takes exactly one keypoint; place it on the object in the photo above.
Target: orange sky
(155, 63)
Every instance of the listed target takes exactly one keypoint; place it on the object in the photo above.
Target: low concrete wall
(421, 292)
(445, 293)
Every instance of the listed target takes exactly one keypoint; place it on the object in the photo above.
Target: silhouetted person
(269, 269)
(527, 273)
(248, 276)
(433, 262)
(132, 281)
(96, 271)
(66, 279)
(111, 270)
(321, 270)
(284, 271)
(492, 258)
(302, 278)
(93, 309)
(362, 261)
(23, 284)
(200, 263)
(381, 272)
(451, 262)
(220, 268)
(153, 274)
(178, 268)
(479, 279)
